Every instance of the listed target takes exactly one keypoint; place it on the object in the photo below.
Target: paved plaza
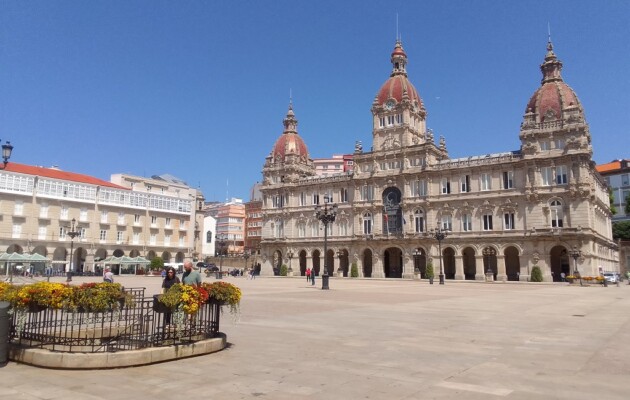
(381, 339)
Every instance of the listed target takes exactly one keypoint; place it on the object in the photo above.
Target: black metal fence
(132, 327)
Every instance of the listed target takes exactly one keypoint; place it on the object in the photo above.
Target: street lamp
(72, 235)
(290, 256)
(246, 256)
(221, 241)
(575, 253)
(439, 234)
(326, 216)
(7, 148)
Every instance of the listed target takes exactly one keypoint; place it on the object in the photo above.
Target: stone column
(501, 275)
(408, 267)
(378, 269)
(459, 267)
(480, 273)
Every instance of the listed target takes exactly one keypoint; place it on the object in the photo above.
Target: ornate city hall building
(542, 205)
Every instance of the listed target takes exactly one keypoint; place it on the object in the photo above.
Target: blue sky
(198, 89)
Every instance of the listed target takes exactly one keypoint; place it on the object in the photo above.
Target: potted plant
(536, 275)
(180, 297)
(429, 273)
(224, 293)
(354, 270)
(283, 270)
(157, 265)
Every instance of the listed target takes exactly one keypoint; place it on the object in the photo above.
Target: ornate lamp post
(7, 148)
(246, 256)
(439, 234)
(326, 216)
(290, 256)
(72, 233)
(575, 253)
(221, 241)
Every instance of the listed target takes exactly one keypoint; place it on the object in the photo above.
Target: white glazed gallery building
(504, 212)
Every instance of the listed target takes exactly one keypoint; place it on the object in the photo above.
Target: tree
(627, 207)
(354, 271)
(611, 200)
(536, 275)
(284, 270)
(621, 230)
(157, 264)
(429, 271)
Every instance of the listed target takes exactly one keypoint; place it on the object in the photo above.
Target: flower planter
(160, 307)
(35, 308)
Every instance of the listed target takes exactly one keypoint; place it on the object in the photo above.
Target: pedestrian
(313, 277)
(170, 279)
(191, 277)
(308, 274)
(563, 276)
(108, 276)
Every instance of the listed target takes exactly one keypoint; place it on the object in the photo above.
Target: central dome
(398, 87)
(289, 143)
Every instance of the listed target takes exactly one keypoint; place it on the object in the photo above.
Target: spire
(289, 122)
(552, 66)
(399, 60)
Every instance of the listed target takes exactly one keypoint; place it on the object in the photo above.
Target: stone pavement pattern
(382, 339)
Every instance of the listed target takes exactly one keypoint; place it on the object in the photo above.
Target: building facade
(617, 176)
(130, 216)
(504, 213)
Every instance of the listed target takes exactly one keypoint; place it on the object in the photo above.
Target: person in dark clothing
(170, 279)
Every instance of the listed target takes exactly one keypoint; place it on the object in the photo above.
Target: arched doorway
(79, 257)
(367, 263)
(166, 256)
(559, 261)
(134, 253)
(343, 262)
(302, 262)
(392, 213)
(40, 267)
(179, 257)
(490, 261)
(41, 250)
(315, 259)
(470, 269)
(512, 263)
(151, 255)
(118, 253)
(329, 263)
(59, 260)
(448, 260)
(392, 262)
(15, 248)
(420, 262)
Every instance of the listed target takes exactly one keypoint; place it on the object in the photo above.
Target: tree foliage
(536, 275)
(611, 200)
(354, 271)
(429, 272)
(157, 264)
(621, 230)
(627, 207)
(284, 270)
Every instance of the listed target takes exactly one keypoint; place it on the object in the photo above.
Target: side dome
(554, 100)
(398, 87)
(289, 143)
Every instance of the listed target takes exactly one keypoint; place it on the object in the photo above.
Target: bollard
(5, 322)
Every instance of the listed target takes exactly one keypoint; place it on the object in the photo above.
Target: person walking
(170, 279)
(108, 276)
(308, 274)
(313, 277)
(191, 277)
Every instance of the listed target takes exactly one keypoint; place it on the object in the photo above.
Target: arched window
(279, 231)
(209, 237)
(343, 228)
(367, 223)
(301, 228)
(556, 214)
(418, 221)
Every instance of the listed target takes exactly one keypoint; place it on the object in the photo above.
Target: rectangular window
(465, 184)
(167, 224)
(367, 192)
(136, 238)
(136, 219)
(390, 120)
(167, 240)
(42, 231)
(302, 199)
(544, 145)
(447, 223)
(43, 210)
(508, 179)
(19, 208)
(104, 217)
(508, 221)
(182, 240)
(446, 186)
(485, 182)
(419, 223)
(381, 122)
(367, 226)
(343, 195)
(153, 239)
(83, 215)
(153, 220)
(82, 233)
(561, 175)
(399, 119)
(64, 213)
(119, 237)
(546, 176)
(343, 228)
(625, 180)
(467, 222)
(559, 143)
(62, 233)
(103, 235)
(17, 231)
(301, 230)
(315, 198)
(487, 222)
(121, 218)
(182, 223)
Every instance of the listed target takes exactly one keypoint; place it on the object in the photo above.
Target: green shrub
(354, 271)
(157, 264)
(536, 275)
(429, 273)
(284, 270)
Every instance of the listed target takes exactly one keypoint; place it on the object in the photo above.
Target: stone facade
(505, 213)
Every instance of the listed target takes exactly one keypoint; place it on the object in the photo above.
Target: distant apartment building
(130, 216)
(230, 224)
(617, 176)
(337, 164)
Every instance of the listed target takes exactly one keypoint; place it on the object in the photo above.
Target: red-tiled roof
(58, 174)
(611, 166)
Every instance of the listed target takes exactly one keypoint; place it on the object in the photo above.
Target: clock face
(390, 104)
